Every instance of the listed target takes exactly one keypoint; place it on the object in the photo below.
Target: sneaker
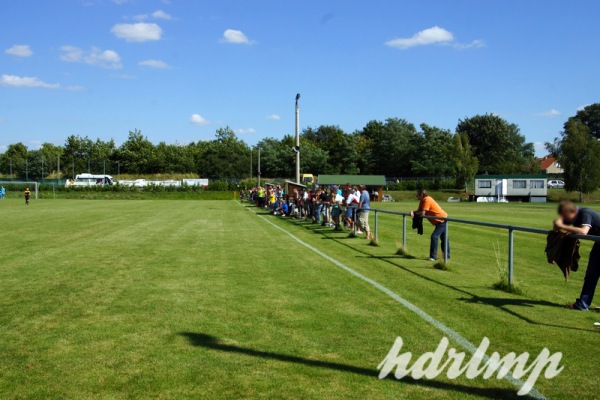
(574, 306)
(432, 259)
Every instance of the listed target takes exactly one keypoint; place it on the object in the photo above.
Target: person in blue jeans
(582, 221)
(429, 207)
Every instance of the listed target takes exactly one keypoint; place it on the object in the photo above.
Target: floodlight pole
(258, 167)
(251, 171)
(297, 139)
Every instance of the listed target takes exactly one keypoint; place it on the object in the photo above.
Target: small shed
(499, 188)
(291, 186)
(374, 183)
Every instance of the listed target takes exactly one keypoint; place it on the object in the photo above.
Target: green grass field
(207, 300)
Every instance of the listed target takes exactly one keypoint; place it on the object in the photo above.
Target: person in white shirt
(351, 205)
(336, 210)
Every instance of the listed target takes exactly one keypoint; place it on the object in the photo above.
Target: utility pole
(297, 148)
(251, 163)
(26, 169)
(42, 168)
(258, 167)
(57, 168)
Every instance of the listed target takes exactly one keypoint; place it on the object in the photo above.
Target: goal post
(31, 184)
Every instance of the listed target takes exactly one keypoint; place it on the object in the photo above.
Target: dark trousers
(591, 279)
(438, 232)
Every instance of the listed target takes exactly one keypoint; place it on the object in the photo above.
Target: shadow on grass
(213, 343)
(500, 303)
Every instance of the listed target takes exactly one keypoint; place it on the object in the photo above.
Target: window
(538, 184)
(519, 184)
(485, 184)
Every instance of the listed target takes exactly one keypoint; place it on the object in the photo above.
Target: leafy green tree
(313, 159)
(497, 144)
(434, 155)
(13, 160)
(465, 163)
(76, 155)
(590, 117)
(225, 157)
(277, 158)
(578, 151)
(337, 144)
(393, 145)
(136, 154)
(50, 154)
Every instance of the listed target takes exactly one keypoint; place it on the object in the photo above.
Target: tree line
(394, 148)
(578, 150)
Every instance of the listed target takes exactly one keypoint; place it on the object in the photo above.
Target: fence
(510, 228)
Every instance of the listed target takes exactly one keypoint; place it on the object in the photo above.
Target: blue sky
(177, 70)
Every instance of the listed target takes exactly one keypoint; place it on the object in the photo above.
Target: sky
(179, 69)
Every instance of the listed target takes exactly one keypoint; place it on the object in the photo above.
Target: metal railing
(510, 228)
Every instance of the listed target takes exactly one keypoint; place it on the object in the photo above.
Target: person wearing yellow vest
(27, 196)
(261, 196)
(429, 207)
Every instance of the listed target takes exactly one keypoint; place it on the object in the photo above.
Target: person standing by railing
(363, 213)
(429, 207)
(582, 221)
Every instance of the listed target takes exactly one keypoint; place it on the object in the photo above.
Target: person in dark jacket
(582, 221)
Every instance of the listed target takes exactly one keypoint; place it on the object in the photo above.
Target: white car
(556, 184)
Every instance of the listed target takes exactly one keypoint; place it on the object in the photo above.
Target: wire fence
(510, 228)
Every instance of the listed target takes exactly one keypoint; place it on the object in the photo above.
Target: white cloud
(550, 113)
(423, 38)
(273, 117)
(475, 44)
(158, 64)
(119, 2)
(75, 88)
(3, 148)
(235, 37)
(26, 82)
(245, 131)
(198, 119)
(96, 57)
(19, 50)
(160, 14)
(138, 32)
(432, 36)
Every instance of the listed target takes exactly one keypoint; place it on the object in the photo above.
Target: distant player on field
(27, 196)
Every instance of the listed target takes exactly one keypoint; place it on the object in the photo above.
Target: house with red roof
(551, 166)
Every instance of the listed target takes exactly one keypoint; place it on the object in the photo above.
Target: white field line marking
(457, 337)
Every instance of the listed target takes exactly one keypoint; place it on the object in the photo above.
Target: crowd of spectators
(335, 206)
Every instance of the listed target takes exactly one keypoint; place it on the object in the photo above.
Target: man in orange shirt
(429, 207)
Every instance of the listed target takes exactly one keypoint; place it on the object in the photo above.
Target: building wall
(519, 187)
(555, 168)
